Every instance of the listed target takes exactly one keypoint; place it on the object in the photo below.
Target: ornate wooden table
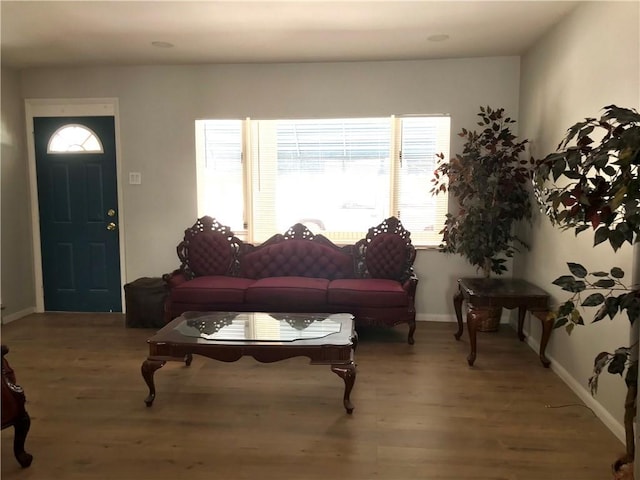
(326, 339)
(483, 294)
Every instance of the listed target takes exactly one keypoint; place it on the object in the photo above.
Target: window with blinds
(339, 177)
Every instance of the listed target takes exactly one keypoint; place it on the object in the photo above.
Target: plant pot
(488, 319)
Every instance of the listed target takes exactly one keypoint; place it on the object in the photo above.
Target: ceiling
(60, 33)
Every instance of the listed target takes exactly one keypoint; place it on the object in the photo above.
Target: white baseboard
(429, 317)
(17, 315)
(579, 389)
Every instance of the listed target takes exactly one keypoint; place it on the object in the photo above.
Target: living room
(588, 60)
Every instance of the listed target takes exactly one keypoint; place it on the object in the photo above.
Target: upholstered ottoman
(144, 299)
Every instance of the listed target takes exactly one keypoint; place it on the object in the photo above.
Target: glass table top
(263, 327)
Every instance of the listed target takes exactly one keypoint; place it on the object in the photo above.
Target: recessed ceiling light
(438, 38)
(162, 44)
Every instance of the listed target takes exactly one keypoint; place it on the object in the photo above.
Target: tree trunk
(486, 268)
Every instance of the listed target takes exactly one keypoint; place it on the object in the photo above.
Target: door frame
(69, 107)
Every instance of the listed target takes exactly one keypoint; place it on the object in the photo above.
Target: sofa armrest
(174, 278)
(410, 285)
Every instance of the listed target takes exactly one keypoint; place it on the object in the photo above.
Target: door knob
(111, 212)
(111, 226)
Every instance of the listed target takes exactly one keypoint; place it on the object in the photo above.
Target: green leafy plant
(606, 291)
(594, 185)
(600, 187)
(489, 181)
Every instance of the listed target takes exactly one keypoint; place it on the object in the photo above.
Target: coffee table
(326, 339)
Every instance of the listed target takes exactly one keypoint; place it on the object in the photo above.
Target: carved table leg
(473, 317)
(148, 368)
(457, 305)
(21, 428)
(522, 312)
(547, 326)
(412, 329)
(348, 374)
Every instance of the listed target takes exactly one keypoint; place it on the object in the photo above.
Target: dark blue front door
(77, 198)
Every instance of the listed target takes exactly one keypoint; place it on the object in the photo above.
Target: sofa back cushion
(208, 248)
(386, 256)
(386, 252)
(296, 257)
(210, 254)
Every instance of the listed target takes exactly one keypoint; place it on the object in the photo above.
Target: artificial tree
(489, 181)
(590, 185)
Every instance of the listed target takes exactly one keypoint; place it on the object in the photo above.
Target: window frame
(251, 174)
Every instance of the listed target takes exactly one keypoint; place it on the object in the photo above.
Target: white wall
(158, 107)
(588, 61)
(17, 287)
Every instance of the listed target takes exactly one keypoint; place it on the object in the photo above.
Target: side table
(483, 294)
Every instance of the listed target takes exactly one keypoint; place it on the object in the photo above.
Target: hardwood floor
(420, 411)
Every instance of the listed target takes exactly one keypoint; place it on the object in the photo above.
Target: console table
(484, 294)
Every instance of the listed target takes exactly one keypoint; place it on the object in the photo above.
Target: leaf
(566, 308)
(600, 314)
(612, 304)
(558, 168)
(599, 274)
(617, 364)
(600, 362)
(569, 284)
(576, 318)
(560, 322)
(586, 131)
(605, 283)
(623, 350)
(593, 300)
(616, 239)
(593, 384)
(601, 235)
(577, 270)
(617, 272)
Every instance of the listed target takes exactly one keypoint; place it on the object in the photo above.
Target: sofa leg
(412, 329)
(21, 428)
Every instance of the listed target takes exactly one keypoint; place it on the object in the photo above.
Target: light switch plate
(135, 178)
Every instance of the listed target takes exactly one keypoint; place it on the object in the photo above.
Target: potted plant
(489, 181)
(595, 186)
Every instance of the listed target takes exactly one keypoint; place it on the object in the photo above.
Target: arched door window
(74, 138)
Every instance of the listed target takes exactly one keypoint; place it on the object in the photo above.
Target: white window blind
(337, 176)
(220, 172)
(420, 212)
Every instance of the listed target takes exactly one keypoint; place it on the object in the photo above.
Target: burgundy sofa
(296, 272)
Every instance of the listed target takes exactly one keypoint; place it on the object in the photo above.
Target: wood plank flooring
(420, 411)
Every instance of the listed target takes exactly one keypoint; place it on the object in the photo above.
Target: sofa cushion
(301, 258)
(367, 292)
(210, 253)
(212, 289)
(288, 292)
(386, 256)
